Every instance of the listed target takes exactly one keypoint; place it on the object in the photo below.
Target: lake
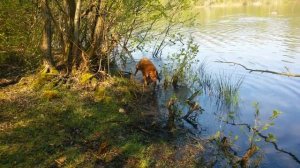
(267, 38)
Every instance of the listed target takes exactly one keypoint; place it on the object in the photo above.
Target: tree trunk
(62, 38)
(70, 12)
(76, 33)
(46, 47)
(98, 34)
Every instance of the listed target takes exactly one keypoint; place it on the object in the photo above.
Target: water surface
(260, 38)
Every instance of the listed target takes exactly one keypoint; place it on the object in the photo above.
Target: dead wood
(260, 70)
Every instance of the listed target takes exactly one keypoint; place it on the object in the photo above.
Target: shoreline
(245, 4)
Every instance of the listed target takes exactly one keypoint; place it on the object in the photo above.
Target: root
(7, 82)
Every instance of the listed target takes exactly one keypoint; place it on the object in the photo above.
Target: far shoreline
(246, 4)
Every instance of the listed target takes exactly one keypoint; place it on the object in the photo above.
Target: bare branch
(260, 70)
(88, 10)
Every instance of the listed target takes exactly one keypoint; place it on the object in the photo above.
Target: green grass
(43, 125)
(225, 87)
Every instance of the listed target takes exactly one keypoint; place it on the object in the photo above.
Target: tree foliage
(19, 36)
(86, 33)
(71, 35)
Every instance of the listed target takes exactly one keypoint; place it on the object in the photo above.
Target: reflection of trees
(222, 149)
(225, 151)
(253, 154)
(291, 38)
(265, 138)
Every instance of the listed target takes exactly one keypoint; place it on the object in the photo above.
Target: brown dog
(150, 74)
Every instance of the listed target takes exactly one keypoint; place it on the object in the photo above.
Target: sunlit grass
(43, 125)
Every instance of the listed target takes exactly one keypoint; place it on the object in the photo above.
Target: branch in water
(259, 70)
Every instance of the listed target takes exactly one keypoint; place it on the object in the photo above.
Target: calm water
(259, 38)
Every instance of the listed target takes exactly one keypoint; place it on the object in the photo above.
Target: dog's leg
(144, 82)
(154, 88)
(136, 70)
(157, 76)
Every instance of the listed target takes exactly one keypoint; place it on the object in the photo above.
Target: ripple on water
(273, 85)
(261, 43)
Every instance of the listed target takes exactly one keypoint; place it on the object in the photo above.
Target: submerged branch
(193, 107)
(260, 70)
(250, 152)
(172, 112)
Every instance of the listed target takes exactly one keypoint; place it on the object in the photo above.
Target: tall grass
(225, 87)
(205, 80)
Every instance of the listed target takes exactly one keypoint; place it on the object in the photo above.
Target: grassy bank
(111, 125)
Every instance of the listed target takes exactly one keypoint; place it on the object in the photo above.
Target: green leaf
(266, 126)
(256, 106)
(217, 135)
(275, 114)
(271, 138)
(236, 137)
(257, 139)
(231, 115)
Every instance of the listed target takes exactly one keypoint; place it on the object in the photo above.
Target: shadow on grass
(77, 128)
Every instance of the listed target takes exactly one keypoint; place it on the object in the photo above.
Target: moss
(144, 163)
(102, 95)
(51, 94)
(85, 77)
(43, 80)
(122, 90)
